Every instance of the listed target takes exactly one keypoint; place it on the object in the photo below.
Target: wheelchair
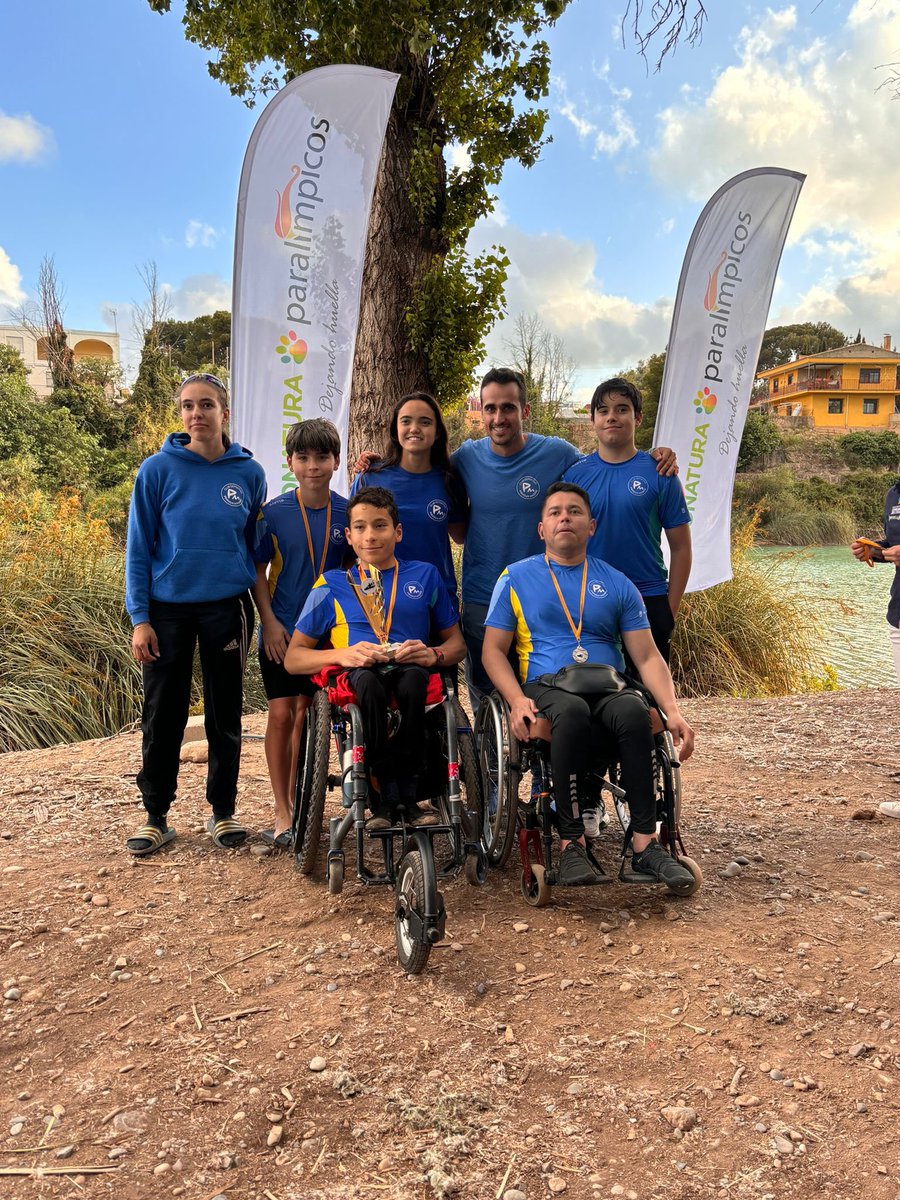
(530, 820)
(413, 858)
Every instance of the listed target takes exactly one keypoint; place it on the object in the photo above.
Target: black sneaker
(575, 868)
(661, 865)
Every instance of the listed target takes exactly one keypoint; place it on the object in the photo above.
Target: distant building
(852, 387)
(84, 343)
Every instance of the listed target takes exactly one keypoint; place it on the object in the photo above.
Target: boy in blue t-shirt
(385, 648)
(302, 534)
(633, 506)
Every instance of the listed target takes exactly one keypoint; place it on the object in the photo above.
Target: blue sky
(117, 148)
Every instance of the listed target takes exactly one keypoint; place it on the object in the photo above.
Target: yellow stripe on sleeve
(524, 644)
(340, 632)
(275, 567)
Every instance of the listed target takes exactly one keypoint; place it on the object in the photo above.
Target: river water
(849, 601)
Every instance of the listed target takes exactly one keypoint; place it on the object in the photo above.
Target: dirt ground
(161, 1016)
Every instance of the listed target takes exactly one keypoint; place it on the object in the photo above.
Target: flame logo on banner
(283, 222)
(712, 288)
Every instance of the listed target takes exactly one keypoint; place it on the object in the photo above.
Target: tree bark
(399, 250)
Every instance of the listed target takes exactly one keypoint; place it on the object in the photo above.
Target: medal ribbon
(576, 630)
(383, 636)
(309, 541)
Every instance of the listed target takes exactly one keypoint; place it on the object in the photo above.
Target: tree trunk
(399, 250)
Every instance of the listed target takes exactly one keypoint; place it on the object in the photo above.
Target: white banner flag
(302, 223)
(717, 327)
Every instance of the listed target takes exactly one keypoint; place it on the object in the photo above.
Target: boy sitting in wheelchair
(378, 618)
(569, 612)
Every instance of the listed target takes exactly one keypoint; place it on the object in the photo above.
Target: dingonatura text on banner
(717, 328)
(302, 223)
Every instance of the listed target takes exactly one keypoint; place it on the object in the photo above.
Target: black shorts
(281, 684)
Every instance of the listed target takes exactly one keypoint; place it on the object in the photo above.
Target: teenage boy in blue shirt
(564, 607)
(415, 603)
(633, 505)
(302, 534)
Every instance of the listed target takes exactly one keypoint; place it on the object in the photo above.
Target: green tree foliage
(761, 438)
(871, 448)
(782, 342)
(154, 388)
(647, 377)
(12, 364)
(188, 346)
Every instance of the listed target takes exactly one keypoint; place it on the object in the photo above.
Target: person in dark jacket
(188, 568)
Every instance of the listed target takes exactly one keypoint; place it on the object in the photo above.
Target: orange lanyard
(309, 541)
(390, 612)
(576, 630)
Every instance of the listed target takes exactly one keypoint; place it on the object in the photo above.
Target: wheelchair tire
(312, 783)
(469, 771)
(694, 867)
(498, 757)
(412, 953)
(539, 893)
(336, 876)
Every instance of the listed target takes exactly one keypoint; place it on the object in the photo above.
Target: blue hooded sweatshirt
(191, 527)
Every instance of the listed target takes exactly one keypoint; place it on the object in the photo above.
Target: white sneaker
(890, 808)
(594, 820)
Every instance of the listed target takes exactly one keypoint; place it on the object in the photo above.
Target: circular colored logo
(291, 349)
(337, 533)
(637, 486)
(704, 402)
(597, 588)
(414, 590)
(437, 510)
(233, 494)
(528, 488)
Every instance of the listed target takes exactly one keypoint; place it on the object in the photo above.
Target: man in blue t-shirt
(393, 633)
(561, 608)
(506, 475)
(633, 505)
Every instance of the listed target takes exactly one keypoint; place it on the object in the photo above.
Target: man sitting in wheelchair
(570, 610)
(378, 618)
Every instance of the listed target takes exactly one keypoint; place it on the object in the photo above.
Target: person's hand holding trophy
(368, 586)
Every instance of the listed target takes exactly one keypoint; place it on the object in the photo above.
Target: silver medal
(580, 654)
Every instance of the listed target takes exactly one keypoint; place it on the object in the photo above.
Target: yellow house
(851, 387)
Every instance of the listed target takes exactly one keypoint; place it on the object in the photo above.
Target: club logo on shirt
(437, 510)
(233, 494)
(528, 488)
(337, 534)
(597, 588)
(637, 486)
(414, 590)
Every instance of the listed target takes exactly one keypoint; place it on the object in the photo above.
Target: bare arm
(275, 636)
(679, 539)
(493, 658)
(453, 650)
(656, 677)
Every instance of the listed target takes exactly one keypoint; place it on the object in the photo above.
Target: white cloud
(199, 294)
(11, 290)
(554, 276)
(198, 234)
(583, 127)
(812, 106)
(22, 138)
(623, 134)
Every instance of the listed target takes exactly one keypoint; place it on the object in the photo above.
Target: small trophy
(369, 591)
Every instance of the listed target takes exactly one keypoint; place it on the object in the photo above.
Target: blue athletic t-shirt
(525, 603)
(505, 496)
(426, 509)
(283, 544)
(332, 609)
(632, 504)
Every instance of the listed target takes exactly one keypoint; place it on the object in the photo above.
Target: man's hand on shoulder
(666, 462)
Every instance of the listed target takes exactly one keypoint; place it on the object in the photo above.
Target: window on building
(870, 407)
(16, 343)
(790, 377)
(775, 385)
(835, 406)
(870, 374)
(897, 404)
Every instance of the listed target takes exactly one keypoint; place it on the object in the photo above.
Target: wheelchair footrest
(641, 877)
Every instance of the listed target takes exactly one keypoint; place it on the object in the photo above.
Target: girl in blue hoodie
(188, 567)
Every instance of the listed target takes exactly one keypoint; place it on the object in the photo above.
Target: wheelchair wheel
(538, 893)
(312, 782)
(498, 753)
(694, 867)
(336, 876)
(412, 952)
(469, 771)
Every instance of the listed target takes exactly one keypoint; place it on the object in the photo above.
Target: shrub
(747, 637)
(871, 448)
(761, 438)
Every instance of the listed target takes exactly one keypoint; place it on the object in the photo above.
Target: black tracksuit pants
(222, 628)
